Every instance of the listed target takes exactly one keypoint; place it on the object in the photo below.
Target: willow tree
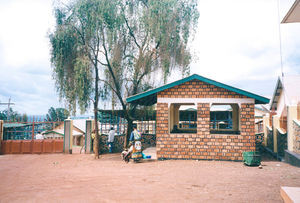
(75, 53)
(123, 44)
(152, 40)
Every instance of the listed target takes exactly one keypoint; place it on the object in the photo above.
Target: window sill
(228, 132)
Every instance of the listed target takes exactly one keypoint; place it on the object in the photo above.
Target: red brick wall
(203, 145)
(198, 89)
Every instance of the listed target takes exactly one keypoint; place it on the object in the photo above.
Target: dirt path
(81, 178)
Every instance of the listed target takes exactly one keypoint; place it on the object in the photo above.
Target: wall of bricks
(203, 145)
(296, 145)
(198, 89)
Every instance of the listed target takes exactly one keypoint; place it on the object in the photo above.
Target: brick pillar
(1, 135)
(68, 136)
(88, 137)
(248, 127)
(162, 131)
(203, 118)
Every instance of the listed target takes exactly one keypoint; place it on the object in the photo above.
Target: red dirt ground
(81, 178)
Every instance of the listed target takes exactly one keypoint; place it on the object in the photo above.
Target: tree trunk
(97, 137)
(129, 129)
(96, 140)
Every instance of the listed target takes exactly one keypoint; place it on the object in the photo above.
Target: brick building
(205, 139)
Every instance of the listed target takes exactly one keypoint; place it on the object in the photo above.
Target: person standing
(93, 135)
(110, 141)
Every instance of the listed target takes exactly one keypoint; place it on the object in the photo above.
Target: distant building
(282, 125)
(78, 132)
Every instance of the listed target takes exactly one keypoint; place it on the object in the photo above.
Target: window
(183, 118)
(224, 119)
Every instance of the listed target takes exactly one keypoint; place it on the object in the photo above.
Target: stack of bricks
(203, 145)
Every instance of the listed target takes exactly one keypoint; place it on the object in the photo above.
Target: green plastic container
(252, 158)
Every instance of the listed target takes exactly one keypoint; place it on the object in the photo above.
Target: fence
(270, 143)
(259, 128)
(283, 122)
(20, 138)
(281, 142)
(108, 120)
(25, 130)
(146, 127)
(31, 146)
(148, 140)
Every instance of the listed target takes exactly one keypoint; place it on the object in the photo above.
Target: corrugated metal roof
(150, 97)
(14, 125)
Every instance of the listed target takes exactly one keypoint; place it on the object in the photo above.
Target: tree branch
(118, 93)
(107, 83)
(103, 64)
(131, 32)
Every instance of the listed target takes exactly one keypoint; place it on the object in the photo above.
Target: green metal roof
(52, 131)
(14, 125)
(150, 97)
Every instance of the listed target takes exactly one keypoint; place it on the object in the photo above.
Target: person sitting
(134, 136)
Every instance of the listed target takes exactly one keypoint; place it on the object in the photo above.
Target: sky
(236, 42)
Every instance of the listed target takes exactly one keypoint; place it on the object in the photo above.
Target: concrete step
(290, 194)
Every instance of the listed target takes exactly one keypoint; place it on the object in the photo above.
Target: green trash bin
(251, 158)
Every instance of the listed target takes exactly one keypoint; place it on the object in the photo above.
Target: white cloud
(239, 40)
(236, 43)
(24, 26)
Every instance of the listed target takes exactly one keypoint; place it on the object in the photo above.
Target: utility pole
(8, 107)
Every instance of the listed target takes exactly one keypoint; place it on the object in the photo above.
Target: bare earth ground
(81, 178)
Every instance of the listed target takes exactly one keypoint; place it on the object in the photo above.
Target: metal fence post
(1, 134)
(32, 134)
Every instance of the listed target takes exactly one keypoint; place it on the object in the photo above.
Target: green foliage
(158, 35)
(57, 114)
(125, 44)
(13, 116)
(135, 38)
(3, 115)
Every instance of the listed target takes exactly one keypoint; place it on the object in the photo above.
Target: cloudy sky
(237, 42)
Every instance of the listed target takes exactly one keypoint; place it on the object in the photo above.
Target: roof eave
(274, 93)
(258, 99)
